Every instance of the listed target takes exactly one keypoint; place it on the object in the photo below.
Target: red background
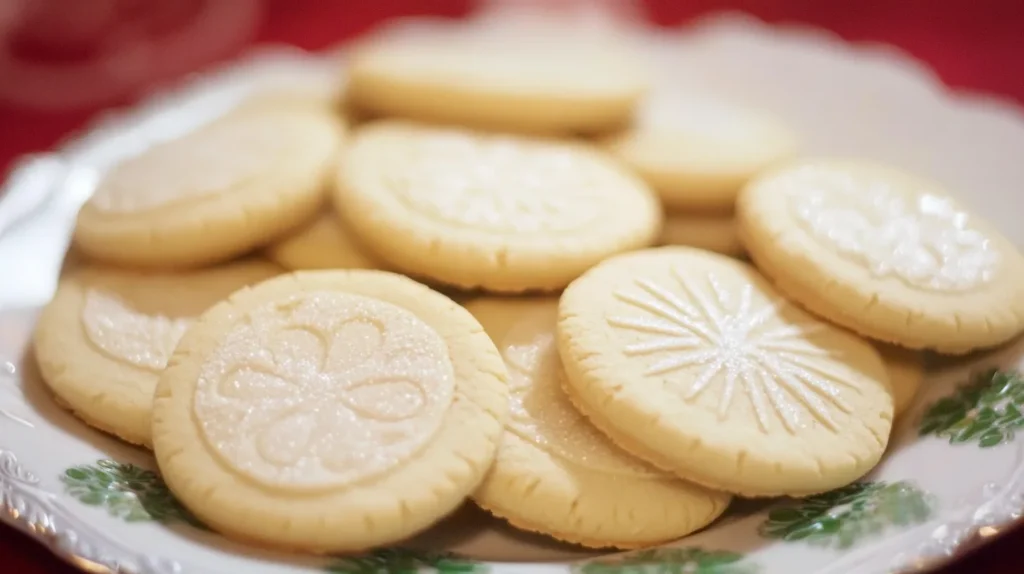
(976, 44)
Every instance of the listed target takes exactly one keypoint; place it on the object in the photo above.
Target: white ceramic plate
(954, 473)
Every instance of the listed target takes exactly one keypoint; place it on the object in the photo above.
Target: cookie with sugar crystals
(325, 243)
(884, 253)
(555, 473)
(223, 190)
(697, 152)
(511, 79)
(105, 337)
(497, 212)
(694, 362)
(329, 411)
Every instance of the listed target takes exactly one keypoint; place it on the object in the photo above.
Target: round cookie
(692, 361)
(906, 373)
(477, 210)
(885, 254)
(696, 152)
(543, 82)
(106, 335)
(323, 244)
(329, 411)
(711, 231)
(555, 473)
(216, 193)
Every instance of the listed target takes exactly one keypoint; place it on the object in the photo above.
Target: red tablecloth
(77, 56)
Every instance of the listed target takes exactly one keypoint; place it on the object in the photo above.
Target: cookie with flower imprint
(497, 212)
(324, 243)
(557, 474)
(103, 340)
(213, 194)
(694, 362)
(299, 412)
(884, 253)
(696, 151)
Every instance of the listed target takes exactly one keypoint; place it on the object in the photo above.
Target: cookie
(711, 231)
(906, 373)
(543, 82)
(697, 152)
(323, 244)
(498, 212)
(329, 411)
(692, 361)
(555, 473)
(885, 254)
(103, 340)
(216, 193)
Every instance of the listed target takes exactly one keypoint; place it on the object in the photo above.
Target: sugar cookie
(697, 153)
(885, 254)
(503, 213)
(906, 373)
(692, 361)
(543, 83)
(555, 473)
(103, 340)
(323, 244)
(329, 411)
(710, 231)
(223, 190)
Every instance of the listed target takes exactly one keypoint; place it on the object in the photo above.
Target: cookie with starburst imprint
(694, 362)
(127, 491)
(846, 516)
(692, 560)
(988, 410)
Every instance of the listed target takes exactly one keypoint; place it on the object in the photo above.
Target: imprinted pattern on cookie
(497, 184)
(713, 331)
(923, 239)
(126, 335)
(323, 389)
(542, 414)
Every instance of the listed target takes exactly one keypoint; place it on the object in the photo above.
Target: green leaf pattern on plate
(843, 517)
(129, 492)
(692, 560)
(986, 410)
(406, 561)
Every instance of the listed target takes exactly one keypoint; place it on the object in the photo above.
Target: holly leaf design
(127, 491)
(845, 516)
(987, 410)
(406, 561)
(690, 560)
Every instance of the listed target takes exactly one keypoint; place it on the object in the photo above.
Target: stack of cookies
(588, 385)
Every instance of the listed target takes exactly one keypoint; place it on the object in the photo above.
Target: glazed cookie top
(515, 212)
(704, 344)
(323, 389)
(218, 158)
(877, 232)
